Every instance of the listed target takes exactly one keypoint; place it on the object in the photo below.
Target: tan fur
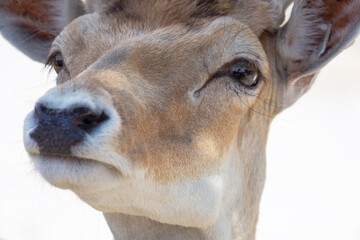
(183, 156)
(165, 131)
(180, 128)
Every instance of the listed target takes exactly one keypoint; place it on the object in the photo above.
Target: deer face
(149, 115)
(164, 112)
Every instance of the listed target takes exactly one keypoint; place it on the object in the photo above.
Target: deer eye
(245, 72)
(56, 61)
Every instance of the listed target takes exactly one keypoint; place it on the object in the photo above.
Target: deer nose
(57, 130)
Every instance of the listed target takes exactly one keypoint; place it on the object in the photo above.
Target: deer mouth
(66, 158)
(71, 172)
(69, 159)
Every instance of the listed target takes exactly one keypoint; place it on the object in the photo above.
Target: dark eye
(56, 61)
(246, 72)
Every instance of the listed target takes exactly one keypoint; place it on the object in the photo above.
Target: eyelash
(56, 62)
(49, 61)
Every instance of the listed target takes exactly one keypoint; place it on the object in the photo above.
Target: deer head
(162, 108)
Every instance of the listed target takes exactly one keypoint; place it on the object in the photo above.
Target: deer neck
(132, 227)
(238, 216)
(125, 227)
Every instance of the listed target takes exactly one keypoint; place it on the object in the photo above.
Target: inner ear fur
(316, 32)
(32, 25)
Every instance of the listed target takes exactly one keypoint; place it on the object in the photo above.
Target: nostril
(87, 120)
(40, 108)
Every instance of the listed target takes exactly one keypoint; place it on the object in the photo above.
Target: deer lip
(70, 158)
(65, 157)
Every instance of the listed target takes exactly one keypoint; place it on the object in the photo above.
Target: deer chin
(106, 189)
(176, 203)
(69, 172)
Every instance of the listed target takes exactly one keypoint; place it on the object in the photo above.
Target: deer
(161, 110)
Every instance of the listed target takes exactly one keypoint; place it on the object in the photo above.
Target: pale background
(313, 171)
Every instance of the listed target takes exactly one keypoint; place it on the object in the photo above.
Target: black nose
(58, 130)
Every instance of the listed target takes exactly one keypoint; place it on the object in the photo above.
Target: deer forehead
(97, 38)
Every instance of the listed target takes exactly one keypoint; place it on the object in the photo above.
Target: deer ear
(316, 32)
(32, 25)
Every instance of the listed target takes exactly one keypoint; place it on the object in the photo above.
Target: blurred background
(312, 189)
